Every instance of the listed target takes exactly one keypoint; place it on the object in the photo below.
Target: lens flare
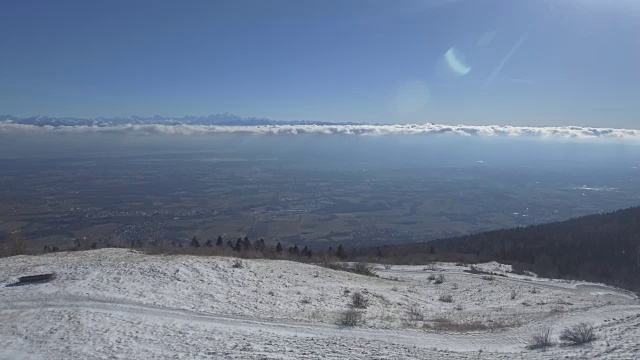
(455, 62)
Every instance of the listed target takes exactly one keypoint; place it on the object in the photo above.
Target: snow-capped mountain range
(224, 119)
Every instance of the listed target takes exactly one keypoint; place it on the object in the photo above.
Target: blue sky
(545, 63)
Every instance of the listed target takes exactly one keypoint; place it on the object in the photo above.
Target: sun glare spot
(455, 62)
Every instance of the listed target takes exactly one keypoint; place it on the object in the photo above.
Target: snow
(118, 303)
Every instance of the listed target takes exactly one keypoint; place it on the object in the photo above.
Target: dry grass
(541, 339)
(579, 334)
(447, 325)
(359, 301)
(237, 264)
(350, 317)
(430, 267)
(414, 313)
(357, 268)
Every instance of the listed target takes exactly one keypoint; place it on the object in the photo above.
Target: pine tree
(247, 243)
(194, 242)
(219, 242)
(279, 248)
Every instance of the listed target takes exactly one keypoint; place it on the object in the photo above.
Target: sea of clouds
(575, 132)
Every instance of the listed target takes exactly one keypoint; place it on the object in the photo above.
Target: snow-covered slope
(117, 303)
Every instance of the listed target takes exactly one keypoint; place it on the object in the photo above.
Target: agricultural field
(167, 198)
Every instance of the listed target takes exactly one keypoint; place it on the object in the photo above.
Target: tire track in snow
(508, 340)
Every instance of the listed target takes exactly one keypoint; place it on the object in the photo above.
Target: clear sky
(546, 62)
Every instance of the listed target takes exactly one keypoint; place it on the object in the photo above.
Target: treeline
(244, 247)
(240, 247)
(603, 248)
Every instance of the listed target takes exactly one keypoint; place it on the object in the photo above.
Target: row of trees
(239, 245)
(259, 245)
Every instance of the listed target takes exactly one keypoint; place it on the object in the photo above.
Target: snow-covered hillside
(117, 303)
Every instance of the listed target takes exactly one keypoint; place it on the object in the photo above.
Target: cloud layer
(575, 132)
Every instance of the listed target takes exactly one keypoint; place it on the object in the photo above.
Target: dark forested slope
(603, 247)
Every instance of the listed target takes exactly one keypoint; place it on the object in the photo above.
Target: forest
(603, 247)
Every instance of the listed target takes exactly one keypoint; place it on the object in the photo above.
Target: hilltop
(123, 303)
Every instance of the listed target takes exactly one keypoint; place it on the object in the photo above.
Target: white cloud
(575, 132)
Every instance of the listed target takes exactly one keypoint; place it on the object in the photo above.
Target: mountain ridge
(221, 119)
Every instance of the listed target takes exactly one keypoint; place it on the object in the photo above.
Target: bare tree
(16, 244)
